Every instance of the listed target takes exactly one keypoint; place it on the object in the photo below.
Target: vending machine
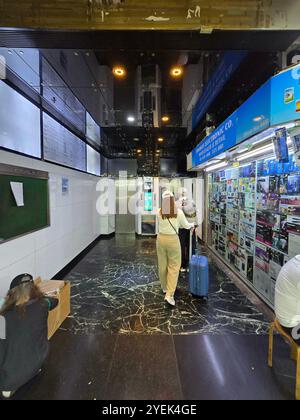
(148, 205)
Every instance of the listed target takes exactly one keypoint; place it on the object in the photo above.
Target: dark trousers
(184, 236)
(289, 331)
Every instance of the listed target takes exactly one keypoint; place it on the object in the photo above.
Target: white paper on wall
(17, 190)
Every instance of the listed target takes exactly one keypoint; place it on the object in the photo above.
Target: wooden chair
(295, 351)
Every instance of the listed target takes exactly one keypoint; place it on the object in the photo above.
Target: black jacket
(26, 346)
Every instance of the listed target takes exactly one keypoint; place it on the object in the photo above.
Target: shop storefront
(251, 164)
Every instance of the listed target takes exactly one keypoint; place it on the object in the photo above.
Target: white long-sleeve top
(287, 295)
(165, 227)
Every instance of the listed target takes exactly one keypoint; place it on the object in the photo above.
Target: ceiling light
(139, 151)
(177, 72)
(131, 119)
(165, 119)
(76, 53)
(119, 72)
(215, 167)
(258, 119)
(160, 139)
(261, 150)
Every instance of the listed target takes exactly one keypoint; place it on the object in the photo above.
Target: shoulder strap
(172, 226)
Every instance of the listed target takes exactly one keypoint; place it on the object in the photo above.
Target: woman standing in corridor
(170, 220)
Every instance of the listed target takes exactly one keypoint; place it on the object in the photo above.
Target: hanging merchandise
(280, 145)
(255, 219)
(296, 145)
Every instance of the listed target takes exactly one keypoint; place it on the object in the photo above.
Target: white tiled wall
(75, 223)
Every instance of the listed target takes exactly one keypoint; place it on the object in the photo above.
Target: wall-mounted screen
(62, 146)
(59, 95)
(19, 123)
(93, 161)
(25, 63)
(93, 131)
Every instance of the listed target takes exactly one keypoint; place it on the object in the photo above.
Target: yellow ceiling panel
(154, 14)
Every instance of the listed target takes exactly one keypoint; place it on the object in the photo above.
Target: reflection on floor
(196, 352)
(163, 367)
(116, 289)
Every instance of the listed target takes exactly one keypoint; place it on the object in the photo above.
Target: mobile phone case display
(262, 223)
(218, 205)
(278, 221)
(232, 216)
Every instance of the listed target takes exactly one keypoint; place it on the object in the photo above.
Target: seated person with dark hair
(25, 347)
(287, 298)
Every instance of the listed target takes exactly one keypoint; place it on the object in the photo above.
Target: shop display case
(255, 219)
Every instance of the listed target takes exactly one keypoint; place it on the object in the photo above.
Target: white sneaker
(170, 300)
(7, 394)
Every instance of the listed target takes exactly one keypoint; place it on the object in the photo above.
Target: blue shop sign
(285, 99)
(254, 115)
(222, 139)
(229, 63)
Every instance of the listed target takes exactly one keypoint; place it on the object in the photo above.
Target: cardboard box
(60, 290)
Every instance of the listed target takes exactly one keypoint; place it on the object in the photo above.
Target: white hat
(167, 194)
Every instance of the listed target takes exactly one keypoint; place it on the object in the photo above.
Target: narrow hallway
(123, 343)
(115, 288)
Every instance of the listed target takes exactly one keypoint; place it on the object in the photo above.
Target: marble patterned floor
(115, 289)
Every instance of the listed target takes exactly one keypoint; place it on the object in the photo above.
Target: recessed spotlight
(76, 53)
(10, 52)
(177, 72)
(258, 119)
(131, 119)
(165, 119)
(119, 72)
(160, 139)
(21, 52)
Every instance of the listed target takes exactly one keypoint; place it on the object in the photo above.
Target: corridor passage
(122, 342)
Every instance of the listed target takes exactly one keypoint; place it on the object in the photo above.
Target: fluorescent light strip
(215, 167)
(257, 152)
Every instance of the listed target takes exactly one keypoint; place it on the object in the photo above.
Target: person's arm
(183, 223)
(51, 302)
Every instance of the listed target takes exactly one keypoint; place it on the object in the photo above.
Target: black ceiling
(124, 141)
(164, 48)
(149, 40)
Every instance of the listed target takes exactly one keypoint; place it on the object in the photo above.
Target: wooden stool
(295, 351)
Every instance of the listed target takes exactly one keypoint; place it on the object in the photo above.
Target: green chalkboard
(34, 215)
